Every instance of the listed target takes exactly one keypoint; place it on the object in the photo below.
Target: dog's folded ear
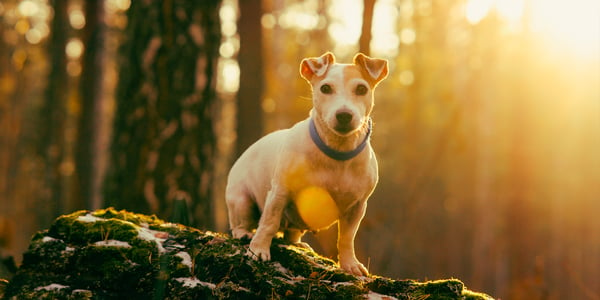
(374, 69)
(316, 66)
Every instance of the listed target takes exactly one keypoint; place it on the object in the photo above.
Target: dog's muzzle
(344, 122)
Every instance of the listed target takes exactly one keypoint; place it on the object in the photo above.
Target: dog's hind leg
(294, 237)
(242, 214)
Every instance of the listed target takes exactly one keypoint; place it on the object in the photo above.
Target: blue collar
(332, 153)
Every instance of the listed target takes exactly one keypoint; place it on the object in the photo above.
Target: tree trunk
(53, 114)
(364, 42)
(90, 92)
(163, 141)
(249, 117)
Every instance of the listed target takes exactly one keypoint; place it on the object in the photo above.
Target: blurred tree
(32, 110)
(8, 138)
(51, 144)
(249, 117)
(364, 41)
(10, 131)
(163, 141)
(90, 96)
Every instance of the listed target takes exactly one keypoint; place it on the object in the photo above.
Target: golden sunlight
(476, 10)
(344, 29)
(385, 40)
(511, 11)
(572, 26)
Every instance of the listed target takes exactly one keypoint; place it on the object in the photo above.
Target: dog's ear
(316, 66)
(374, 69)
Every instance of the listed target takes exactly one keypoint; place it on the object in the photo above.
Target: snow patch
(89, 219)
(192, 282)
(51, 287)
(185, 259)
(153, 236)
(237, 287)
(377, 296)
(48, 239)
(280, 268)
(112, 243)
(343, 283)
(286, 280)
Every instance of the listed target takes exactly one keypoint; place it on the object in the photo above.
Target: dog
(329, 153)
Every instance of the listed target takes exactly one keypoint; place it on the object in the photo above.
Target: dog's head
(343, 93)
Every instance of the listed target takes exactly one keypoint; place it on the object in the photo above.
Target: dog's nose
(343, 117)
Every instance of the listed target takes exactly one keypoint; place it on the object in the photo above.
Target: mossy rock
(109, 254)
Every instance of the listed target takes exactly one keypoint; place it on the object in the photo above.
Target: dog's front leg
(268, 224)
(347, 228)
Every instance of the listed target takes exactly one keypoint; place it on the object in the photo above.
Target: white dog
(328, 153)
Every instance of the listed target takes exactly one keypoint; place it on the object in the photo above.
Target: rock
(109, 254)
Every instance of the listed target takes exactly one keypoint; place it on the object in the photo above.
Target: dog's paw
(241, 234)
(259, 253)
(354, 267)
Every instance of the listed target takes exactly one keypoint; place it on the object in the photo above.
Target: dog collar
(335, 154)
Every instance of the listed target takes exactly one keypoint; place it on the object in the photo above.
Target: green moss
(74, 229)
(109, 254)
(438, 289)
(470, 295)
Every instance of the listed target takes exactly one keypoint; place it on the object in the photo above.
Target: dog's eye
(361, 90)
(326, 89)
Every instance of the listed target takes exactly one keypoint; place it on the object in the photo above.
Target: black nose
(343, 117)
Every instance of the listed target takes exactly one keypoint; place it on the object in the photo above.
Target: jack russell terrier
(319, 171)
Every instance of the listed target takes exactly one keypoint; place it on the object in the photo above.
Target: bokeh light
(74, 48)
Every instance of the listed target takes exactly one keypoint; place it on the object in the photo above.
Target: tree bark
(163, 142)
(90, 92)
(250, 113)
(53, 114)
(364, 42)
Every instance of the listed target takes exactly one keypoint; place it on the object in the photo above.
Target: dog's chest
(346, 188)
(321, 194)
(345, 183)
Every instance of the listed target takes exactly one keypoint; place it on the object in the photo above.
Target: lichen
(108, 254)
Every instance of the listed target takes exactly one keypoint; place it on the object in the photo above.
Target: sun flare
(573, 26)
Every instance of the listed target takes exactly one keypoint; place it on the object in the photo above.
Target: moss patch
(109, 254)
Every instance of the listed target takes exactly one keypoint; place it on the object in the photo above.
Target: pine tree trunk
(364, 42)
(53, 113)
(163, 141)
(250, 114)
(90, 90)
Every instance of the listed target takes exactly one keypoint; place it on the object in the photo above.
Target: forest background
(487, 129)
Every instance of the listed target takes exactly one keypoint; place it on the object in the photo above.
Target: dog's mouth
(344, 123)
(344, 129)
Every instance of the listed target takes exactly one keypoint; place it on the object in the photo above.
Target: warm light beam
(573, 26)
